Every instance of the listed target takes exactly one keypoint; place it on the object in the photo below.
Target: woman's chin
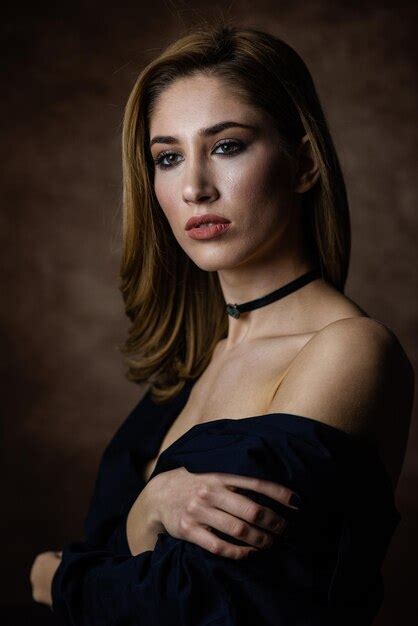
(215, 264)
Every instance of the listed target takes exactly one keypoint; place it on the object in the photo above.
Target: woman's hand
(187, 505)
(42, 572)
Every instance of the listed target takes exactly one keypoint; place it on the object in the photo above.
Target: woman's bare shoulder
(354, 375)
(347, 375)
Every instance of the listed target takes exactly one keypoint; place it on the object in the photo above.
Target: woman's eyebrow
(203, 132)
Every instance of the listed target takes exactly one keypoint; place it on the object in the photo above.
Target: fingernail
(295, 500)
(280, 526)
(251, 553)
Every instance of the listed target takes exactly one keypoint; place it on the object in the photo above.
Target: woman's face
(237, 173)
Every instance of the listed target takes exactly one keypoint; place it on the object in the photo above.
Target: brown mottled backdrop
(68, 69)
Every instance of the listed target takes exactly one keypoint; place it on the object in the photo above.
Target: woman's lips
(208, 232)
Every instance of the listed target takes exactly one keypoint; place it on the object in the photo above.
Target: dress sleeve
(318, 573)
(118, 481)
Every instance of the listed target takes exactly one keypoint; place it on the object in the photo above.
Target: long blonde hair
(177, 311)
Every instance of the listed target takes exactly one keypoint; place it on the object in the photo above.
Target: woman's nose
(198, 185)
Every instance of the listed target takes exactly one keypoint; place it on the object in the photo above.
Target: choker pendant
(235, 310)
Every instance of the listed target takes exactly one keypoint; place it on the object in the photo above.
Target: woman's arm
(115, 486)
(347, 513)
(191, 506)
(337, 481)
(142, 524)
(354, 375)
(41, 574)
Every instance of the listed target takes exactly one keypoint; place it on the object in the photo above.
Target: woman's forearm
(143, 524)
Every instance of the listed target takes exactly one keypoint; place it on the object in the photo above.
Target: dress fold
(323, 570)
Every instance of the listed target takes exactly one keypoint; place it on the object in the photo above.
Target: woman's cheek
(166, 195)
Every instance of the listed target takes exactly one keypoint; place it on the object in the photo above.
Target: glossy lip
(196, 220)
(208, 232)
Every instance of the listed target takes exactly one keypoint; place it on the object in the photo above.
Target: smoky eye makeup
(228, 147)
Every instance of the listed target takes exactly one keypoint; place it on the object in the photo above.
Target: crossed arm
(364, 357)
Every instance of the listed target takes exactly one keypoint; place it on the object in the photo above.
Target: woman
(253, 483)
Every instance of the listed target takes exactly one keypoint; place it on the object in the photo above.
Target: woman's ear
(307, 167)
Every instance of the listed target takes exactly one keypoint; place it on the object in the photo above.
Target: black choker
(235, 310)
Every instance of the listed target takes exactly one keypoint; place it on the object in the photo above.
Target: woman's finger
(244, 508)
(203, 537)
(278, 492)
(233, 526)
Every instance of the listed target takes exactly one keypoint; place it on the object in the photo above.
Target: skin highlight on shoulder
(354, 375)
(340, 376)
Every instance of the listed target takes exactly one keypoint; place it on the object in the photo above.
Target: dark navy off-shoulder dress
(323, 571)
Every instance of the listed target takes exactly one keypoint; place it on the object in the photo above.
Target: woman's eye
(159, 161)
(229, 144)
